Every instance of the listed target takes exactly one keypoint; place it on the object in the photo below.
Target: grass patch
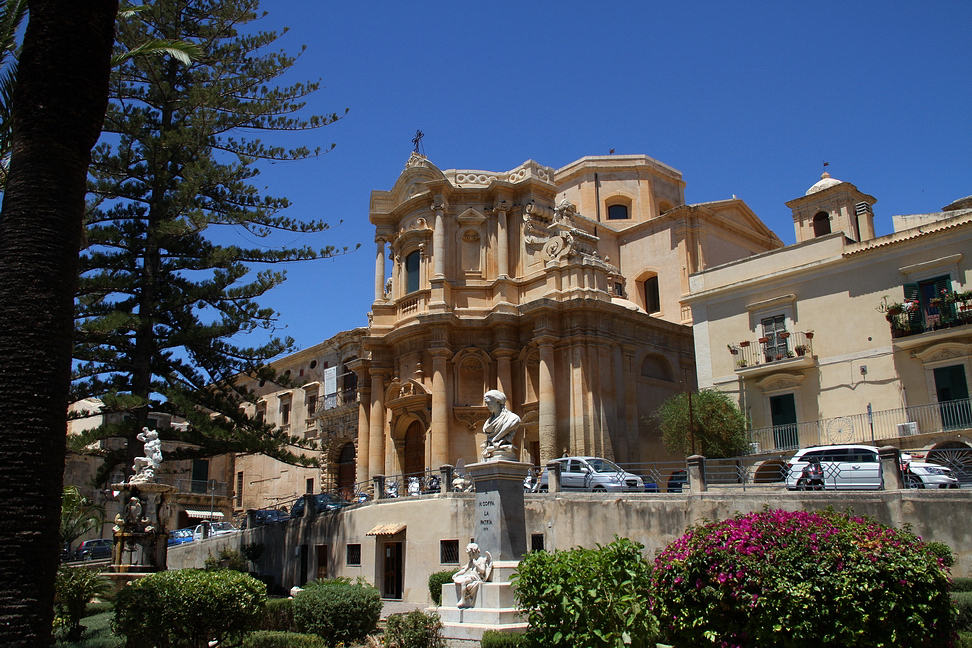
(97, 635)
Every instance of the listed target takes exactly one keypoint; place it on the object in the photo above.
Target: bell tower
(833, 206)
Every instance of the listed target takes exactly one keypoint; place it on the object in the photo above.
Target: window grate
(353, 554)
(449, 552)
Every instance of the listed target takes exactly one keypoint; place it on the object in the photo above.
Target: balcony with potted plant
(937, 318)
(785, 349)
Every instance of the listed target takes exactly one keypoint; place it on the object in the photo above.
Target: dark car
(264, 516)
(323, 502)
(677, 481)
(93, 549)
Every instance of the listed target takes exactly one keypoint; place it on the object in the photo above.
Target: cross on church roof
(417, 140)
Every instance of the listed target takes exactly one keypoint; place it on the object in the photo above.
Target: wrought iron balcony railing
(781, 347)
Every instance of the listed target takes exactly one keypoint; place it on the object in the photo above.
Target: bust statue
(500, 427)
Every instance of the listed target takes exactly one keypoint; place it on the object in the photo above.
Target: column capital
(441, 352)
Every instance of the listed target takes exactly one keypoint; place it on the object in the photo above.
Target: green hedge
(274, 639)
(279, 615)
(190, 607)
(962, 584)
(963, 610)
(496, 639)
(337, 612)
(436, 581)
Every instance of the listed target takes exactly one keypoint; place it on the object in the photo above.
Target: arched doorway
(955, 455)
(345, 471)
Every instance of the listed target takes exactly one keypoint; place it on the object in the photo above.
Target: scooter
(812, 477)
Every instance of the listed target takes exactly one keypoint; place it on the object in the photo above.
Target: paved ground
(399, 607)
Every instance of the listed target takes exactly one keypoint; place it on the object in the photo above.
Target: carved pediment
(472, 416)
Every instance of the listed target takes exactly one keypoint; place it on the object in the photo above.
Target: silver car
(592, 474)
(919, 474)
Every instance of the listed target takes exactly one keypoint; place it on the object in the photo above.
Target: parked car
(323, 502)
(180, 536)
(677, 481)
(920, 474)
(593, 474)
(215, 529)
(94, 549)
(264, 516)
(845, 467)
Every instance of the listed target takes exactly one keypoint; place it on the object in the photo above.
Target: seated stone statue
(500, 427)
(477, 570)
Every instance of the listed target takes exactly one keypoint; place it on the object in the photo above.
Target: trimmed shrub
(189, 606)
(785, 579)
(963, 610)
(74, 588)
(337, 612)
(964, 640)
(416, 629)
(587, 597)
(962, 584)
(273, 639)
(496, 639)
(279, 615)
(436, 581)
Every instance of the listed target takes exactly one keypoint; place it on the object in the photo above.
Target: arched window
(412, 271)
(651, 295)
(821, 224)
(617, 212)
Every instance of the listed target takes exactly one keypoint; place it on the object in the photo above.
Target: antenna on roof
(417, 141)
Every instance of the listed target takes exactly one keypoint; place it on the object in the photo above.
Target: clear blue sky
(744, 98)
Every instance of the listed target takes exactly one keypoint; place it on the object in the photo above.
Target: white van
(845, 467)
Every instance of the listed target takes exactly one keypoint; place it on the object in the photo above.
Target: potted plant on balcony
(763, 340)
(733, 349)
(741, 364)
(784, 335)
(801, 349)
(745, 343)
(809, 335)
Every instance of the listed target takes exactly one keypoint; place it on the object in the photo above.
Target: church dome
(826, 182)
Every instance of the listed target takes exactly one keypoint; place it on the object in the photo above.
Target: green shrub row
(279, 615)
(495, 639)
(963, 610)
(274, 639)
(962, 584)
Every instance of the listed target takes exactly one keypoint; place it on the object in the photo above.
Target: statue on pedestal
(499, 428)
(478, 569)
(145, 467)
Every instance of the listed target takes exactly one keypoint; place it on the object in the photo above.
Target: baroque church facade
(562, 288)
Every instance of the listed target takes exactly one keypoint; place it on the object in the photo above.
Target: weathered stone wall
(565, 521)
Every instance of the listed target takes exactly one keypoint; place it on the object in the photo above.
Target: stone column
(376, 446)
(438, 240)
(553, 476)
(364, 436)
(548, 405)
(696, 474)
(440, 408)
(890, 458)
(503, 240)
(504, 375)
(380, 269)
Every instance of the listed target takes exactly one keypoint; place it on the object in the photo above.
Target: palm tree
(79, 515)
(57, 110)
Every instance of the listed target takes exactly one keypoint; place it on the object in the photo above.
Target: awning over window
(204, 515)
(387, 529)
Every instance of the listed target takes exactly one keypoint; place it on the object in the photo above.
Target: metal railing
(660, 476)
(935, 317)
(196, 486)
(747, 472)
(332, 401)
(866, 428)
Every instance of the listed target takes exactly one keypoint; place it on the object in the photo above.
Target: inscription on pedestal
(489, 514)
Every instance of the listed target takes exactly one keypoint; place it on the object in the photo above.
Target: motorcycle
(812, 477)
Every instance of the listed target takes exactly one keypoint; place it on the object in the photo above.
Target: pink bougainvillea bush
(781, 578)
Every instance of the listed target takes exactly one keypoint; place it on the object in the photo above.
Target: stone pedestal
(141, 539)
(500, 529)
